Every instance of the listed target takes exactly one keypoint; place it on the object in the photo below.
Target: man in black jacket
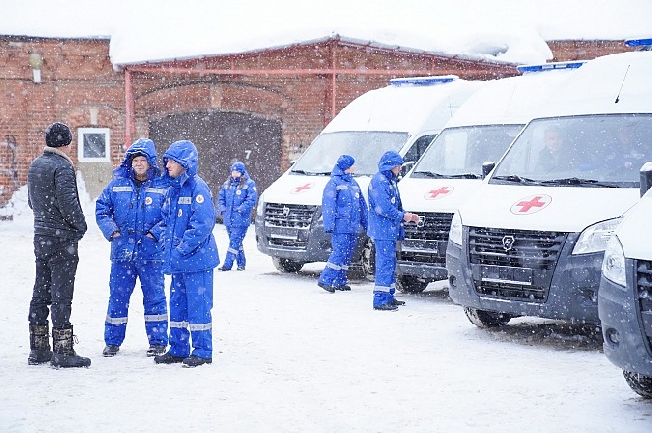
(59, 224)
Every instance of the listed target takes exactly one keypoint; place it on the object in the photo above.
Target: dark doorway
(222, 138)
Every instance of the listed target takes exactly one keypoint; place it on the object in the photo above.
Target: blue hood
(389, 160)
(185, 153)
(144, 147)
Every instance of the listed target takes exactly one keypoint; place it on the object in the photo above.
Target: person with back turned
(59, 225)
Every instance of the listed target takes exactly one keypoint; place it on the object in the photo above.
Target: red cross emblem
(434, 194)
(300, 189)
(531, 204)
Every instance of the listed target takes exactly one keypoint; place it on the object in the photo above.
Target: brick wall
(80, 87)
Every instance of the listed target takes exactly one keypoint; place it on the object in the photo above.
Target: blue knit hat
(238, 166)
(345, 162)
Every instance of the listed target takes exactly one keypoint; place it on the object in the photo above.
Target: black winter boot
(39, 344)
(64, 355)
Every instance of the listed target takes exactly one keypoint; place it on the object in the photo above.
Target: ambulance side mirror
(646, 177)
(486, 168)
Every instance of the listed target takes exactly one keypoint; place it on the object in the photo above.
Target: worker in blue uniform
(235, 201)
(386, 219)
(344, 210)
(128, 212)
(190, 256)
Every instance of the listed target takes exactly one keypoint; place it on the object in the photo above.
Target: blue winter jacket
(385, 207)
(236, 199)
(343, 206)
(133, 212)
(188, 216)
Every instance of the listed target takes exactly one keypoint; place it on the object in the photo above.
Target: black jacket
(53, 196)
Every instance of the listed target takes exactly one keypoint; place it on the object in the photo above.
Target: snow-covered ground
(290, 357)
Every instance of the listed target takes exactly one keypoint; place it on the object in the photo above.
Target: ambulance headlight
(455, 234)
(594, 238)
(260, 207)
(613, 264)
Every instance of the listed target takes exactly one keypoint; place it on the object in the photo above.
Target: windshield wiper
(310, 173)
(579, 181)
(517, 179)
(449, 176)
(431, 174)
(464, 176)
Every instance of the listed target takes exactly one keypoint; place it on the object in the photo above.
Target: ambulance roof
(617, 83)
(406, 105)
(513, 100)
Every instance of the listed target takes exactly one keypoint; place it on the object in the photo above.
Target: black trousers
(56, 266)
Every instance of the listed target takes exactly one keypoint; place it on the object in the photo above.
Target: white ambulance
(451, 169)
(404, 116)
(530, 241)
(625, 295)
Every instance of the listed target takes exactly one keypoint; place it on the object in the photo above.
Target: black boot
(39, 344)
(64, 355)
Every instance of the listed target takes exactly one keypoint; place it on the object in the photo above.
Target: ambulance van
(625, 295)
(404, 116)
(530, 241)
(451, 169)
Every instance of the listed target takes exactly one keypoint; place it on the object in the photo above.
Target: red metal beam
(175, 70)
(129, 108)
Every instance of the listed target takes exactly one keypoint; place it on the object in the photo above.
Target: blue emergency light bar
(423, 81)
(638, 42)
(550, 66)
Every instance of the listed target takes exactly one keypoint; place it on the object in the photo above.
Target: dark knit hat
(58, 135)
(345, 162)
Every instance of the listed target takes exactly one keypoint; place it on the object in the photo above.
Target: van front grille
(514, 264)
(289, 215)
(644, 297)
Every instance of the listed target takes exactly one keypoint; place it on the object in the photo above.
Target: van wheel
(368, 260)
(286, 265)
(410, 284)
(641, 385)
(486, 319)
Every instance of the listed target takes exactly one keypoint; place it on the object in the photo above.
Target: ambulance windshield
(581, 151)
(460, 152)
(365, 147)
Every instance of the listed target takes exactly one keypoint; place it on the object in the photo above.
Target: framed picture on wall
(94, 144)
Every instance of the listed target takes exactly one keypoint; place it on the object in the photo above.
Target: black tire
(641, 385)
(287, 265)
(486, 319)
(368, 261)
(410, 284)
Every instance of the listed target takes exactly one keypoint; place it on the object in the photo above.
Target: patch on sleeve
(148, 200)
(199, 198)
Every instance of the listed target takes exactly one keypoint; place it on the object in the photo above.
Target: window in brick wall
(93, 144)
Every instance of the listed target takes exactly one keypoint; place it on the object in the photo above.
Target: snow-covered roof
(161, 30)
